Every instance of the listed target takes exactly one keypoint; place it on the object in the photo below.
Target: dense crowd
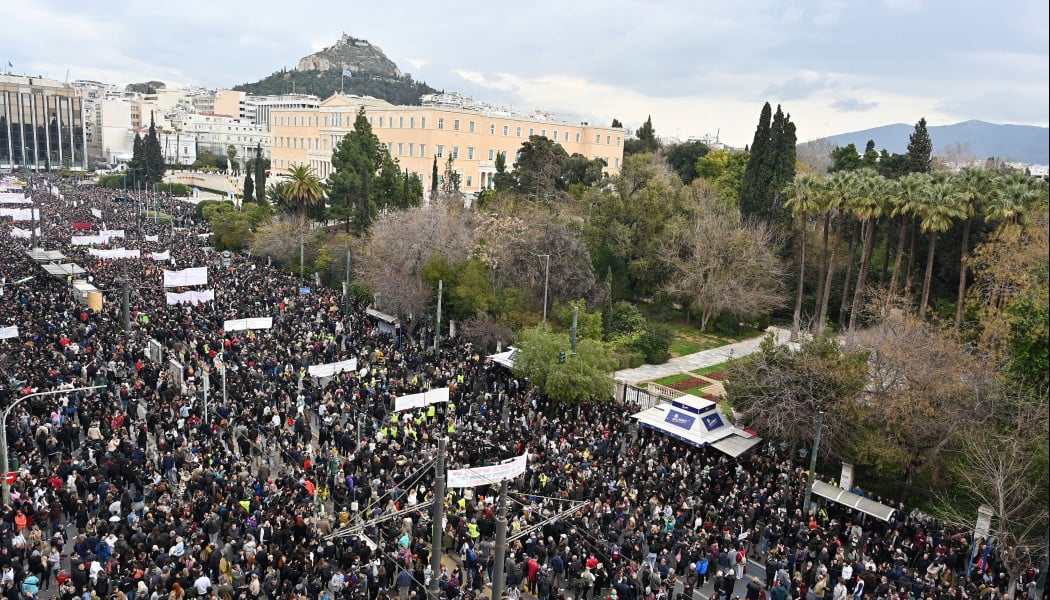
(139, 488)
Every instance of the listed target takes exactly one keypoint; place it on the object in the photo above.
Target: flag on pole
(347, 73)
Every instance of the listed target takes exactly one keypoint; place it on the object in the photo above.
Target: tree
(137, 165)
(580, 171)
(780, 391)
(249, 187)
(450, 184)
(583, 377)
(153, 157)
(903, 204)
(920, 149)
(975, 185)
(260, 175)
(840, 188)
(683, 158)
(845, 158)
(356, 161)
(870, 160)
(302, 189)
(868, 206)
(539, 170)
(434, 178)
(502, 181)
(231, 155)
(616, 124)
(721, 265)
(771, 166)
(725, 170)
(937, 207)
(644, 140)
(803, 198)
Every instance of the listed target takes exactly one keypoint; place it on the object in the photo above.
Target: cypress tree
(759, 171)
(260, 175)
(783, 146)
(434, 179)
(249, 188)
(153, 157)
(136, 165)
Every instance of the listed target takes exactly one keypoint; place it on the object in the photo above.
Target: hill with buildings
(321, 74)
(1014, 143)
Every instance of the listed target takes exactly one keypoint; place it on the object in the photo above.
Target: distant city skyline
(696, 67)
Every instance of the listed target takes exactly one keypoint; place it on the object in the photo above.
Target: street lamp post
(3, 431)
(546, 280)
(813, 463)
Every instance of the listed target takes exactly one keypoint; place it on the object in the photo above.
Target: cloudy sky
(697, 66)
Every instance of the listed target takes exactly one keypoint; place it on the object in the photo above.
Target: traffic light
(561, 356)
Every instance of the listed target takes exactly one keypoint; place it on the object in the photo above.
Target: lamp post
(546, 280)
(3, 431)
(813, 462)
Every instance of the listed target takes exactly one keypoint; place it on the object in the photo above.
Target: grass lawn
(712, 369)
(673, 379)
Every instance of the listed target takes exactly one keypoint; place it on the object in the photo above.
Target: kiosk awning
(854, 501)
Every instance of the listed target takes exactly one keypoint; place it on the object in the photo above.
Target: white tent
(697, 422)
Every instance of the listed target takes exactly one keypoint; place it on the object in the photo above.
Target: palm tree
(974, 185)
(909, 189)
(839, 192)
(868, 206)
(938, 206)
(303, 189)
(802, 199)
(1013, 198)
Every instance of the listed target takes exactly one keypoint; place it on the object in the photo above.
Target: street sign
(10, 478)
(304, 291)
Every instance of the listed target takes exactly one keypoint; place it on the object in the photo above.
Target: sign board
(304, 291)
(846, 477)
(984, 521)
(10, 478)
(154, 350)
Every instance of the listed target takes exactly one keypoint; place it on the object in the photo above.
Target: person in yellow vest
(451, 426)
(474, 532)
(431, 411)
(393, 417)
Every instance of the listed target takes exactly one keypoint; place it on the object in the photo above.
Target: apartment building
(416, 135)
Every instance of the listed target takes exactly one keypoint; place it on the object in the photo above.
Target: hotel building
(446, 125)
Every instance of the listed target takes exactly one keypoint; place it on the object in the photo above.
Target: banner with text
(473, 477)
(250, 323)
(418, 400)
(329, 369)
(194, 276)
(191, 297)
(8, 332)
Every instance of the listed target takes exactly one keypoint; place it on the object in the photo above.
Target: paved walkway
(691, 362)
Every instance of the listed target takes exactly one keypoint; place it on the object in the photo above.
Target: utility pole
(546, 280)
(207, 376)
(813, 462)
(125, 305)
(346, 292)
(433, 591)
(437, 333)
(499, 560)
(575, 322)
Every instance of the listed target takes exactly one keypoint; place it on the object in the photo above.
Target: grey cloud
(798, 88)
(853, 105)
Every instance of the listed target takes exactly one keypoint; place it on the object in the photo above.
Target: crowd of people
(222, 469)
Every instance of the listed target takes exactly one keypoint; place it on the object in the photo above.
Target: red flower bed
(687, 384)
(717, 375)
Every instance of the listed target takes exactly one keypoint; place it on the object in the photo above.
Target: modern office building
(41, 124)
(473, 134)
(256, 109)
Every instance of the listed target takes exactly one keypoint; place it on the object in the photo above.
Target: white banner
(113, 233)
(20, 214)
(96, 213)
(87, 240)
(329, 369)
(166, 255)
(418, 400)
(14, 199)
(116, 253)
(152, 238)
(192, 297)
(251, 323)
(194, 276)
(18, 232)
(508, 469)
(8, 332)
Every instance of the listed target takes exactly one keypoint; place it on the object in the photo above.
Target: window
(617, 163)
(492, 154)
(470, 181)
(506, 130)
(441, 151)
(577, 137)
(401, 122)
(381, 121)
(455, 152)
(517, 131)
(470, 126)
(470, 153)
(597, 138)
(455, 124)
(400, 149)
(543, 132)
(492, 129)
(617, 140)
(441, 122)
(532, 132)
(411, 149)
(555, 132)
(422, 149)
(411, 122)
(608, 139)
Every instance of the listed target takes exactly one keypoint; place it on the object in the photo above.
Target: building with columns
(472, 134)
(41, 124)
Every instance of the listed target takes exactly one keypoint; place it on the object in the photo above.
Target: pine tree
(920, 149)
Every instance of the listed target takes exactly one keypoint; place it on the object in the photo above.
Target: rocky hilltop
(351, 53)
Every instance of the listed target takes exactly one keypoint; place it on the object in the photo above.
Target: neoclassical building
(415, 135)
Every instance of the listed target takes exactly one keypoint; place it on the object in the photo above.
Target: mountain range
(1013, 143)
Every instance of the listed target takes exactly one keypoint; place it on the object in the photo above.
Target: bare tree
(816, 154)
(721, 265)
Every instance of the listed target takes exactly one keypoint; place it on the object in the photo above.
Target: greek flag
(347, 73)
